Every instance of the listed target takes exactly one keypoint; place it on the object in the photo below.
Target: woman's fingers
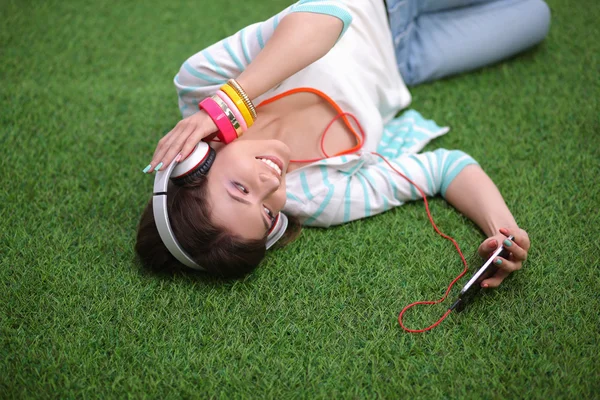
(181, 140)
(505, 268)
(163, 146)
(508, 265)
(495, 280)
(517, 247)
(488, 246)
(170, 145)
(518, 251)
(520, 237)
(191, 142)
(175, 147)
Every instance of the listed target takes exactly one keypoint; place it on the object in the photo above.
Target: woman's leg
(437, 44)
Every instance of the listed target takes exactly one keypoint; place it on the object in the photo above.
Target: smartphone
(487, 269)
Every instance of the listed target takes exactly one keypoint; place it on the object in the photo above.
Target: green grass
(86, 92)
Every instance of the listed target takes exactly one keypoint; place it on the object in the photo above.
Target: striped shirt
(360, 75)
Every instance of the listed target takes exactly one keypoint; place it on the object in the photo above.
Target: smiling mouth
(272, 162)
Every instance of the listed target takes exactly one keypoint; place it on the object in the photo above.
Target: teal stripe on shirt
(292, 197)
(455, 169)
(391, 181)
(432, 170)
(331, 10)
(305, 187)
(361, 179)
(413, 190)
(371, 180)
(441, 156)
(451, 161)
(347, 200)
(189, 89)
(327, 199)
(234, 57)
(386, 205)
(216, 66)
(259, 37)
(245, 46)
(368, 177)
(426, 173)
(209, 79)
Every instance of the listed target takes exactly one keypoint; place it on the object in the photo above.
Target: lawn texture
(85, 94)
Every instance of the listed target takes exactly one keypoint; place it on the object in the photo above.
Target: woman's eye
(241, 187)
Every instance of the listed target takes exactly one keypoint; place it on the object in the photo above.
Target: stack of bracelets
(231, 110)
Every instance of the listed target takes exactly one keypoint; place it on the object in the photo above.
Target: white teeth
(272, 165)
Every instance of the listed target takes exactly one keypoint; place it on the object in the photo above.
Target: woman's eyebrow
(241, 200)
(244, 201)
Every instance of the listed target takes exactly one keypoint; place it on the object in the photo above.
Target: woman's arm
(474, 194)
(290, 48)
(328, 195)
(206, 71)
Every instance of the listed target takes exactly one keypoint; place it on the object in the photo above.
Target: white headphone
(198, 163)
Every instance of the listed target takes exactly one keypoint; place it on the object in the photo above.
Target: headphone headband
(199, 162)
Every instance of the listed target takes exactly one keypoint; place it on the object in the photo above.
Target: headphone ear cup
(198, 171)
(277, 230)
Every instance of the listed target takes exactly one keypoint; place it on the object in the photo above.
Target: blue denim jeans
(438, 38)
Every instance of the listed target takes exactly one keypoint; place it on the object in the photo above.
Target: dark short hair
(210, 246)
(219, 252)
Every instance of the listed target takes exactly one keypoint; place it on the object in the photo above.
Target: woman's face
(246, 186)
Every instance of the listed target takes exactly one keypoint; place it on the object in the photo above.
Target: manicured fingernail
(507, 243)
(147, 168)
(158, 166)
(485, 285)
(178, 158)
(497, 261)
(504, 231)
(493, 244)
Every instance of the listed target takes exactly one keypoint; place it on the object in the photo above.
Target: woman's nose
(269, 182)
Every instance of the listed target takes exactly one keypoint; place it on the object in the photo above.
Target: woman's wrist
(230, 110)
(241, 100)
(494, 228)
(493, 214)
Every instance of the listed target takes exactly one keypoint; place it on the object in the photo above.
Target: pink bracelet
(227, 132)
(234, 110)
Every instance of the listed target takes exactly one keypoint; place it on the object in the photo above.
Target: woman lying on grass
(304, 69)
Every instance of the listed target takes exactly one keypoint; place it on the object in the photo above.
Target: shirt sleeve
(372, 186)
(206, 71)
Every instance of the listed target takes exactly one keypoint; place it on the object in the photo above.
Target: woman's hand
(518, 248)
(181, 140)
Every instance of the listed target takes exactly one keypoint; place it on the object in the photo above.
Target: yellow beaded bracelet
(239, 103)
